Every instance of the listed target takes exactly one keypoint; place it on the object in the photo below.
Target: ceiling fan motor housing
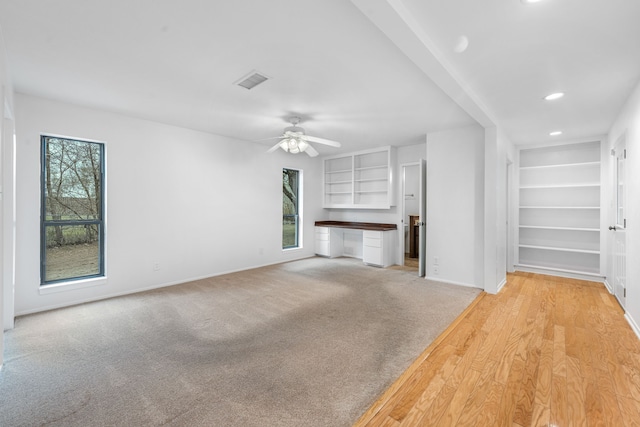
(294, 129)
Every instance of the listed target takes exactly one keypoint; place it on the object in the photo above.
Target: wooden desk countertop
(375, 226)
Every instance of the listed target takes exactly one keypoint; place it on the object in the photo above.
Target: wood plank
(540, 416)
(545, 374)
(429, 395)
(607, 394)
(630, 410)
(559, 352)
(558, 415)
(576, 394)
(477, 396)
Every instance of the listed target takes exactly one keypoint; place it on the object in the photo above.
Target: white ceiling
(365, 72)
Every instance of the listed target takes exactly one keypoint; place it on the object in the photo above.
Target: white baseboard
(633, 324)
(608, 285)
(451, 282)
(561, 273)
(501, 284)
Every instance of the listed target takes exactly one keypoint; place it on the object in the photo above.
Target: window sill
(72, 285)
(292, 249)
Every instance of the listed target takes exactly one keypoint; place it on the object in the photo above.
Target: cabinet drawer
(322, 230)
(372, 255)
(322, 237)
(370, 234)
(372, 243)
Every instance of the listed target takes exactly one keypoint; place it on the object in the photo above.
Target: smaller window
(290, 208)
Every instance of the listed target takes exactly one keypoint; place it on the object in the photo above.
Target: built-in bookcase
(559, 218)
(360, 180)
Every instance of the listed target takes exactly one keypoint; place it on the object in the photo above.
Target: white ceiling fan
(294, 140)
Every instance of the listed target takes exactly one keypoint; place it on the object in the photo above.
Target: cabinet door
(372, 247)
(322, 243)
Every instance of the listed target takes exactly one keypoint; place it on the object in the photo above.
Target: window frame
(44, 222)
(298, 215)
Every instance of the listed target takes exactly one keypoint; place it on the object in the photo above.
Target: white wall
(455, 205)
(197, 204)
(6, 196)
(629, 121)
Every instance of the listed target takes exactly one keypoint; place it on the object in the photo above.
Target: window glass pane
(71, 251)
(290, 190)
(72, 226)
(72, 181)
(289, 231)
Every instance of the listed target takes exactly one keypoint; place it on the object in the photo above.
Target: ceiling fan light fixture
(554, 96)
(302, 145)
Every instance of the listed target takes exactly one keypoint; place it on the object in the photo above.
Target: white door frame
(421, 203)
(618, 247)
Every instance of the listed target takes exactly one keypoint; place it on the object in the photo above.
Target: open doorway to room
(413, 212)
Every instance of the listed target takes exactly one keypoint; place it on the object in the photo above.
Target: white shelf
(550, 248)
(560, 270)
(541, 227)
(370, 180)
(560, 207)
(537, 187)
(371, 167)
(338, 182)
(338, 171)
(563, 165)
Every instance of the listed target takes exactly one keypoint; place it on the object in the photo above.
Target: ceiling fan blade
(274, 148)
(266, 139)
(311, 151)
(321, 140)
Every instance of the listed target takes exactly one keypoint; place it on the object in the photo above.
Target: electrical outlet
(156, 266)
(436, 260)
(436, 270)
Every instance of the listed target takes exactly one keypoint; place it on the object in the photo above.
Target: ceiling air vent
(252, 80)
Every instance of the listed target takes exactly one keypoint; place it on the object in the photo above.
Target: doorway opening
(413, 210)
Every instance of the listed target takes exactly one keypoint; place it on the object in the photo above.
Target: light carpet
(305, 343)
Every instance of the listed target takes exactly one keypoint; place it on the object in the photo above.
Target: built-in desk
(374, 243)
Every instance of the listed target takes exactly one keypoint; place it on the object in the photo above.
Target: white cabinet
(559, 217)
(360, 180)
(372, 242)
(322, 241)
(377, 248)
(328, 242)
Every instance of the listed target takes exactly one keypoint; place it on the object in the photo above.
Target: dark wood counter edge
(357, 225)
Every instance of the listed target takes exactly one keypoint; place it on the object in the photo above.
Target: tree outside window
(290, 208)
(72, 226)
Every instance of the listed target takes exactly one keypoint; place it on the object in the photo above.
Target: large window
(291, 179)
(72, 217)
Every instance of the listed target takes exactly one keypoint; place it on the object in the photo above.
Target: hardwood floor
(544, 351)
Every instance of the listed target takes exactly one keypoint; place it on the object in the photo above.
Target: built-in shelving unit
(360, 180)
(559, 218)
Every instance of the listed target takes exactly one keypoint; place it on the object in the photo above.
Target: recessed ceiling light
(555, 133)
(554, 96)
(529, 1)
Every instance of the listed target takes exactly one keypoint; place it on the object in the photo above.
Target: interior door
(619, 228)
(422, 231)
